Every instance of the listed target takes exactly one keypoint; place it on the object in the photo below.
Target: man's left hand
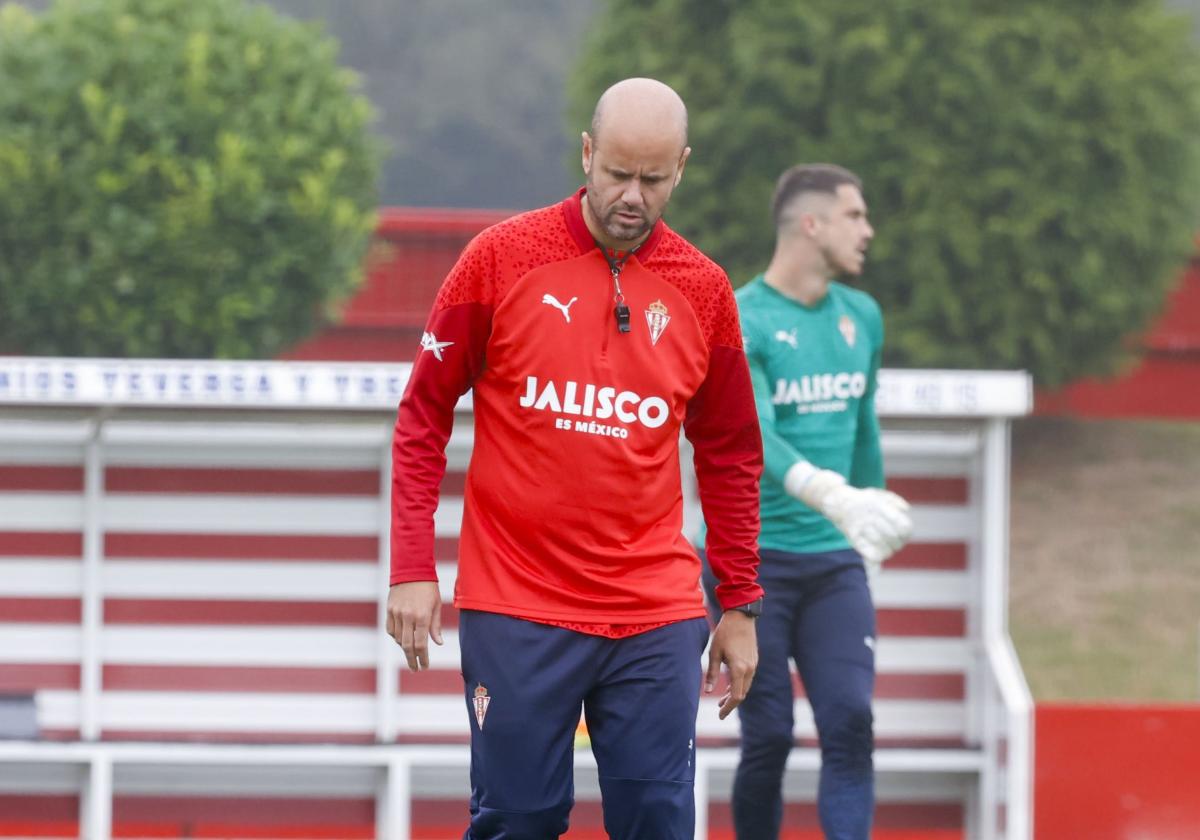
(734, 645)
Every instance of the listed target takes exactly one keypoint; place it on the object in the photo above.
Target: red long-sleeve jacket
(573, 507)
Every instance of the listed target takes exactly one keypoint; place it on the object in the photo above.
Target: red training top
(573, 507)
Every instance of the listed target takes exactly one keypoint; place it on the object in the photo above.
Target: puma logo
(561, 307)
(788, 338)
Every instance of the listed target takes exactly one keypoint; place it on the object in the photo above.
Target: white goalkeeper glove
(874, 521)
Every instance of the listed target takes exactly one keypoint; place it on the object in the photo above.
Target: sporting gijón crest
(480, 701)
(848, 330)
(657, 319)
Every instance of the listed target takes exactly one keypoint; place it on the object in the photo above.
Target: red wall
(1112, 772)
(1165, 383)
(413, 251)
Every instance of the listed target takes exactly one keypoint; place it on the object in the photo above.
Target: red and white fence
(193, 559)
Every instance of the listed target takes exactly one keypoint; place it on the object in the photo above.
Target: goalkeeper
(827, 523)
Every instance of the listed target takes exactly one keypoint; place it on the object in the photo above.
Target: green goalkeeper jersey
(814, 370)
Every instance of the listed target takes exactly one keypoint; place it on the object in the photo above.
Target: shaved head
(633, 157)
(643, 105)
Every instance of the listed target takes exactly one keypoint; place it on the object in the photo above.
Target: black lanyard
(615, 264)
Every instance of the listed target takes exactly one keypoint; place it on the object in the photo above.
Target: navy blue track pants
(525, 683)
(817, 612)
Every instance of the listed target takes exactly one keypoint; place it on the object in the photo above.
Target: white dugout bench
(193, 566)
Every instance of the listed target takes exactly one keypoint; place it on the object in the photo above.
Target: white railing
(91, 405)
(393, 767)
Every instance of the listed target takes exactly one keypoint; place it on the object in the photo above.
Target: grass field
(1105, 569)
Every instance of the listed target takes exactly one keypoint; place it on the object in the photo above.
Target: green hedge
(1032, 168)
(179, 178)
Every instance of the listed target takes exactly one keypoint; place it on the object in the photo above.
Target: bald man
(591, 334)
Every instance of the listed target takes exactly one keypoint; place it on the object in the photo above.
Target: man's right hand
(414, 616)
(735, 645)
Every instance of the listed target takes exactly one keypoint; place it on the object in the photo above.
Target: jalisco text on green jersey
(814, 370)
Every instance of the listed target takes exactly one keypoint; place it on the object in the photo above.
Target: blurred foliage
(1032, 169)
(178, 178)
(469, 94)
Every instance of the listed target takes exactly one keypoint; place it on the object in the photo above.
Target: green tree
(179, 178)
(1033, 168)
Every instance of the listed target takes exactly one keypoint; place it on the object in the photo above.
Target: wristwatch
(753, 609)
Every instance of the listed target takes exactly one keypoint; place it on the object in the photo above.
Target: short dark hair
(806, 178)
